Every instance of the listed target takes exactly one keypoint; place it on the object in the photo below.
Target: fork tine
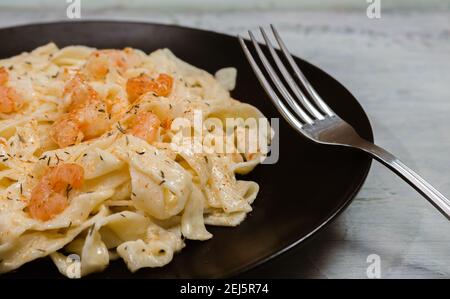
(291, 82)
(284, 111)
(277, 82)
(311, 91)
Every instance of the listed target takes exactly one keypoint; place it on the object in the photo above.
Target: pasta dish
(88, 166)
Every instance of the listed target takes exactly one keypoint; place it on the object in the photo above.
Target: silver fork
(318, 122)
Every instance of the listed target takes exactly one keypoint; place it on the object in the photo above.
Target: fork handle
(416, 181)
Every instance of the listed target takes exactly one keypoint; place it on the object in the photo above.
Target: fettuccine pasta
(86, 166)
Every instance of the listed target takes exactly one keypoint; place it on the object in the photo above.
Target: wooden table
(399, 69)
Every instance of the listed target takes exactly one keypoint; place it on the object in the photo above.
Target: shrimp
(142, 84)
(145, 126)
(99, 63)
(87, 117)
(167, 123)
(49, 197)
(4, 76)
(66, 131)
(10, 100)
(137, 86)
(164, 85)
(93, 120)
(84, 123)
(116, 105)
(46, 205)
(63, 175)
(80, 92)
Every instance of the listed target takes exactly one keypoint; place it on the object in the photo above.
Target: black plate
(306, 189)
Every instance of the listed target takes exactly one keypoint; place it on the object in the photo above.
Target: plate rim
(328, 221)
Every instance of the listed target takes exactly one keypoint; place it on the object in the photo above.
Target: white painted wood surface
(399, 69)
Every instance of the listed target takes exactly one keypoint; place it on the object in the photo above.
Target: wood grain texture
(399, 69)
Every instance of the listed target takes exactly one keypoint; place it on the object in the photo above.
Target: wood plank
(399, 69)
